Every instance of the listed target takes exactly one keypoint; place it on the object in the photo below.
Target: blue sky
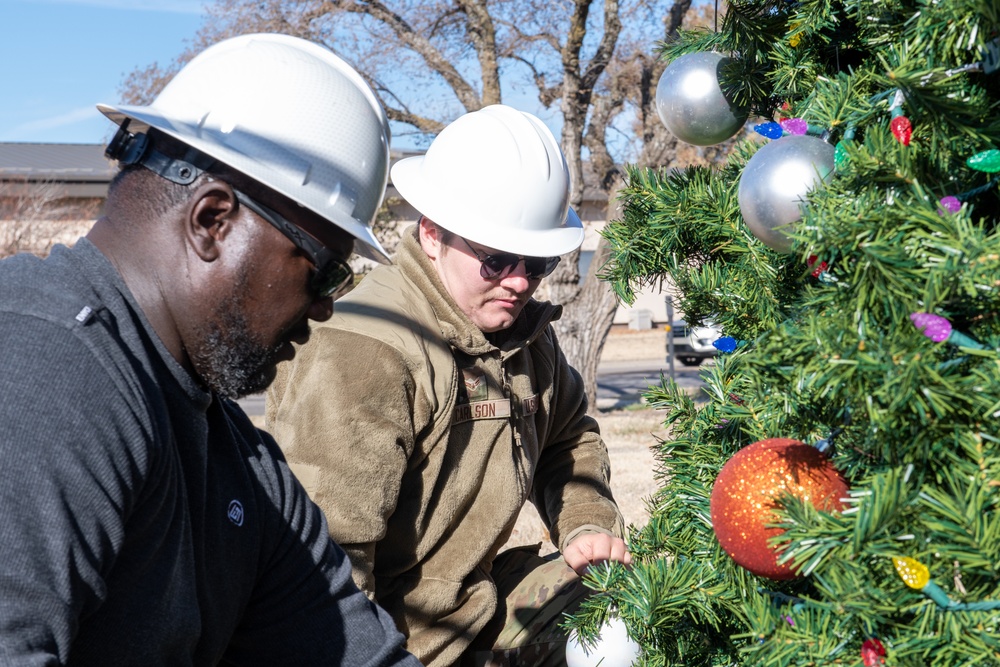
(59, 58)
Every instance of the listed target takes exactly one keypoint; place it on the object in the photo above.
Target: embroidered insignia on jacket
(476, 388)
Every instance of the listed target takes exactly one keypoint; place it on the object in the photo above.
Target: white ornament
(775, 182)
(690, 101)
(613, 648)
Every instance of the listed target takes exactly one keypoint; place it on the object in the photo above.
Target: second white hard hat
(496, 177)
(286, 112)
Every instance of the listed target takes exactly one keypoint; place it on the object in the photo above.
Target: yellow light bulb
(914, 574)
(794, 40)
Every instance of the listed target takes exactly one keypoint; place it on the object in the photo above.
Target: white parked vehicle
(692, 345)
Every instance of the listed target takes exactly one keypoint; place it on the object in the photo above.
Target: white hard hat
(289, 114)
(497, 177)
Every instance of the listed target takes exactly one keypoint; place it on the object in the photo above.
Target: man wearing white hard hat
(436, 401)
(145, 521)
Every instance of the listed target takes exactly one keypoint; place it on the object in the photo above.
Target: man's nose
(517, 280)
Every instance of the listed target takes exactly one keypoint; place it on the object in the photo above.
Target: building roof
(81, 164)
(68, 163)
(65, 163)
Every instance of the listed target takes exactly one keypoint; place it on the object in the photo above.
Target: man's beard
(230, 359)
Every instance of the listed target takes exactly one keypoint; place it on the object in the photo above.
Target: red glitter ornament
(901, 129)
(747, 491)
(872, 652)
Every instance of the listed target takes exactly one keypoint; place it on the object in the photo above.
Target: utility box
(639, 319)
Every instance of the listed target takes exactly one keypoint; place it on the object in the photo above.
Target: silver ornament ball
(775, 182)
(690, 101)
(614, 648)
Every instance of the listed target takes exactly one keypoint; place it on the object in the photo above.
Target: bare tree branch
(600, 59)
(421, 45)
(546, 94)
(523, 38)
(484, 40)
(603, 109)
(424, 125)
(401, 112)
(36, 215)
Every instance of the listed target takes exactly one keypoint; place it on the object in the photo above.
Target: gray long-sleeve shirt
(144, 521)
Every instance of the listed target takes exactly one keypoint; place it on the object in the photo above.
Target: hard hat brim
(425, 197)
(148, 116)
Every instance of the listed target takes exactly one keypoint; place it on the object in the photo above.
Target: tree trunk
(589, 307)
(589, 310)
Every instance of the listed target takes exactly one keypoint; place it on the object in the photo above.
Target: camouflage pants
(534, 593)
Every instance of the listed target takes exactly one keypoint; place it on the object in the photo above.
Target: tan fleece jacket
(421, 440)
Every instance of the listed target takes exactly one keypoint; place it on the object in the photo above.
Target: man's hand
(593, 548)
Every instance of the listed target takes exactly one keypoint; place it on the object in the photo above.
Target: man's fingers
(588, 550)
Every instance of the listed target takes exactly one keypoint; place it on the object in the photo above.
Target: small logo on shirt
(84, 315)
(235, 512)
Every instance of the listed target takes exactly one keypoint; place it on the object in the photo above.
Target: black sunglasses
(332, 274)
(499, 265)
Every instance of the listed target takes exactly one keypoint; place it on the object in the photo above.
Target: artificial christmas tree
(874, 336)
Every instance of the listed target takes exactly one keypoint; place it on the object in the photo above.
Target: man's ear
(209, 217)
(430, 237)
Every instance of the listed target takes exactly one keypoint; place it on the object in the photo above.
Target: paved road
(622, 383)
(618, 383)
